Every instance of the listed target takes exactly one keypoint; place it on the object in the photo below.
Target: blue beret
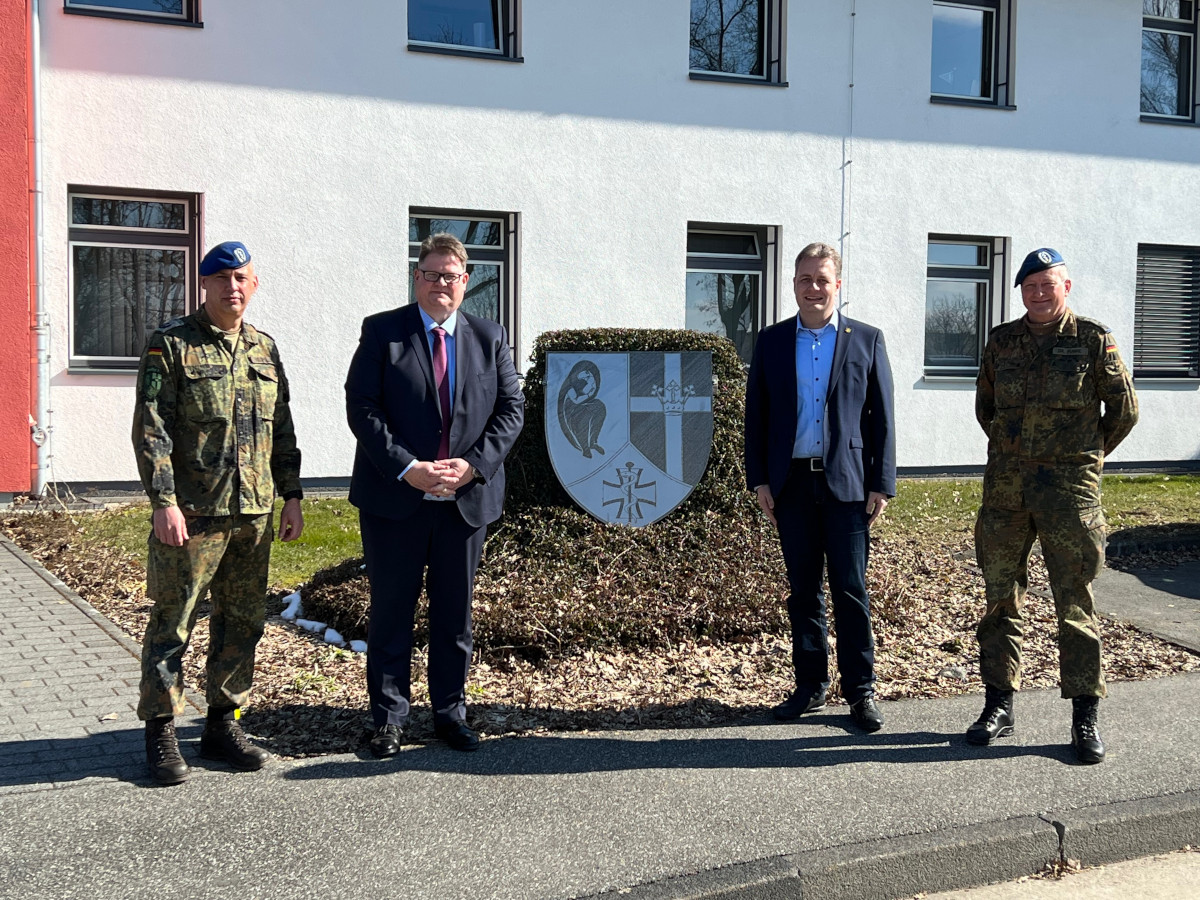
(229, 255)
(1038, 261)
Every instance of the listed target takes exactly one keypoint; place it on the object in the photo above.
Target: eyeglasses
(443, 277)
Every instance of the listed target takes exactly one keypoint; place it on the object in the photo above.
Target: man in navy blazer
(821, 457)
(433, 399)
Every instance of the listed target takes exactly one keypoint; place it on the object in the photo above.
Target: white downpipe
(847, 162)
(41, 427)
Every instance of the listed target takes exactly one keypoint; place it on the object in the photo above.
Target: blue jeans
(814, 530)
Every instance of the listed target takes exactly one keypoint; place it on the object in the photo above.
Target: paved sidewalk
(757, 809)
(68, 685)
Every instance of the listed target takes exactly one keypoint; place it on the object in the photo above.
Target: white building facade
(608, 173)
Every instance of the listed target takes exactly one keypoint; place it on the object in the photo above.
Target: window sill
(464, 52)
(130, 17)
(1193, 380)
(85, 369)
(949, 379)
(965, 101)
(1164, 120)
(735, 79)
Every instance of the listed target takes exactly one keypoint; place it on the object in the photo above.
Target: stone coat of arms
(629, 434)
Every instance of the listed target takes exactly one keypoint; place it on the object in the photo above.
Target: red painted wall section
(16, 350)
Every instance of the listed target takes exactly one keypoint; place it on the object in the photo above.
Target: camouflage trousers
(1073, 547)
(228, 557)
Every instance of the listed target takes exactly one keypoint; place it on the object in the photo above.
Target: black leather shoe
(224, 739)
(386, 741)
(866, 714)
(801, 702)
(996, 720)
(457, 735)
(162, 752)
(1085, 737)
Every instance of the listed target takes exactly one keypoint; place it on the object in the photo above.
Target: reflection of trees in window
(1168, 42)
(952, 324)
(727, 36)
(130, 272)
(462, 23)
(724, 303)
(122, 294)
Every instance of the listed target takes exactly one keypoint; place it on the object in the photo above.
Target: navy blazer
(392, 407)
(859, 425)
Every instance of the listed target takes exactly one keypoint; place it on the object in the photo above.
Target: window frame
(1165, 255)
(1002, 52)
(774, 53)
(765, 264)
(190, 17)
(506, 256)
(117, 237)
(508, 13)
(995, 279)
(1187, 28)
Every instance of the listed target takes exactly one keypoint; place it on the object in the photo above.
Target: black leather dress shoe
(866, 714)
(457, 735)
(801, 702)
(386, 741)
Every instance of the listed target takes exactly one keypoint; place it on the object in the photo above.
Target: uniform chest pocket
(265, 379)
(1010, 384)
(205, 392)
(1068, 385)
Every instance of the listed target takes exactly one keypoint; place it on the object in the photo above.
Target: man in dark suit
(821, 456)
(432, 397)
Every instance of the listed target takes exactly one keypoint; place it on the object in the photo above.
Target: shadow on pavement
(119, 755)
(565, 755)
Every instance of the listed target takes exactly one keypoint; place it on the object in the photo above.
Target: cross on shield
(629, 434)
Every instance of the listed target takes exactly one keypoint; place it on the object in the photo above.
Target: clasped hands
(441, 478)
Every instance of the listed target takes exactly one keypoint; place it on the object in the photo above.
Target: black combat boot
(162, 751)
(1084, 735)
(223, 738)
(996, 720)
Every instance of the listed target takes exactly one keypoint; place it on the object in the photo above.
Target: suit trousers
(434, 546)
(817, 531)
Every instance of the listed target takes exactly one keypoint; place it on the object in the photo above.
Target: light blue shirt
(814, 362)
(451, 357)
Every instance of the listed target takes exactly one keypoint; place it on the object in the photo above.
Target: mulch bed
(309, 697)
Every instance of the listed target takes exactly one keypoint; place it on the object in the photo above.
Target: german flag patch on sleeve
(1110, 343)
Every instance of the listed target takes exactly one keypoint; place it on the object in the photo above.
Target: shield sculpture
(629, 433)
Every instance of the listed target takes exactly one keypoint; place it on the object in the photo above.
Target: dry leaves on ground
(309, 697)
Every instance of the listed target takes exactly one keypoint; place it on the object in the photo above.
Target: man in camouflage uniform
(1054, 399)
(214, 440)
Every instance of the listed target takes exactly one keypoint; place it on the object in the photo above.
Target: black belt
(808, 463)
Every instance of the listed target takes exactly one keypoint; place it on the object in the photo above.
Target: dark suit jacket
(860, 438)
(392, 406)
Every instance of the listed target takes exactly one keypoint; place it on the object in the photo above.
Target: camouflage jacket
(1051, 414)
(213, 430)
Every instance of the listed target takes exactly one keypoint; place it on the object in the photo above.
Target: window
(481, 28)
(1166, 318)
(970, 62)
(177, 12)
(1168, 60)
(731, 277)
(490, 239)
(738, 40)
(131, 262)
(964, 277)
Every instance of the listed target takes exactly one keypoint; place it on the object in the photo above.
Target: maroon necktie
(443, 388)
